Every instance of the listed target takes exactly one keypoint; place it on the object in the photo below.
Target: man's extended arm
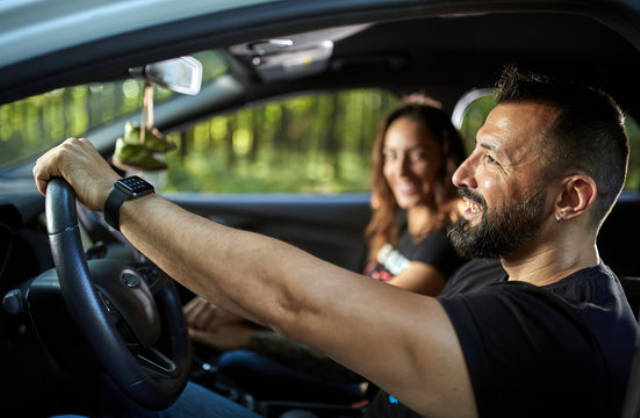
(411, 351)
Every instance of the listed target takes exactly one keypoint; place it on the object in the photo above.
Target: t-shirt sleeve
(526, 354)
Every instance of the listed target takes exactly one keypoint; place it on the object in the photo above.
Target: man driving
(553, 337)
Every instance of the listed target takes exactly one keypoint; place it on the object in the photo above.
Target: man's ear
(578, 192)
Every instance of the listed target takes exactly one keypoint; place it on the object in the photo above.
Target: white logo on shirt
(392, 259)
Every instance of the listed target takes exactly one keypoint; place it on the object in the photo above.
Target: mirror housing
(181, 75)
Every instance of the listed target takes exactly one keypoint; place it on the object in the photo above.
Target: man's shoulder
(593, 285)
(474, 275)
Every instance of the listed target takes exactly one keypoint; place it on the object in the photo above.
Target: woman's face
(411, 160)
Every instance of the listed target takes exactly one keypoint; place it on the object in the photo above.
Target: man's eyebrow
(490, 147)
(496, 150)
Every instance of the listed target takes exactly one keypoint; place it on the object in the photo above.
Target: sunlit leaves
(306, 144)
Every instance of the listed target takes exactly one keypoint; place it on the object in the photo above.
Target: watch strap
(112, 207)
(123, 190)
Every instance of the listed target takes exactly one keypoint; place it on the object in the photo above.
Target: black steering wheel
(137, 329)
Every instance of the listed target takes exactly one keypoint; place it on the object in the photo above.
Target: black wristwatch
(123, 190)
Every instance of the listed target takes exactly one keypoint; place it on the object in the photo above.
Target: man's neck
(547, 264)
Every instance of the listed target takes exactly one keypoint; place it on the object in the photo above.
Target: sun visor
(295, 64)
(294, 56)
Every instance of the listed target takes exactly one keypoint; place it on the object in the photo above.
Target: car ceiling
(448, 56)
(443, 48)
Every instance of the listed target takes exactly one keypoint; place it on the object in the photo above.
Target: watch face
(135, 186)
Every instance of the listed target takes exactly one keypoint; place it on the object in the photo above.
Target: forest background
(313, 143)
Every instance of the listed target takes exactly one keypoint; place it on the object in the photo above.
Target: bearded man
(549, 333)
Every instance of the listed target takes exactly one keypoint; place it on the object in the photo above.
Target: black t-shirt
(559, 350)
(435, 250)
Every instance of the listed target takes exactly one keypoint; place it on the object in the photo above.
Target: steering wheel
(139, 335)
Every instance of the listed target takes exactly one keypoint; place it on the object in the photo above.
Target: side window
(318, 143)
(472, 110)
(470, 113)
(633, 175)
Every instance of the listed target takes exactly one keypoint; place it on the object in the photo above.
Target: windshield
(31, 126)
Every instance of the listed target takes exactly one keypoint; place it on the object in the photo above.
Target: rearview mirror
(181, 75)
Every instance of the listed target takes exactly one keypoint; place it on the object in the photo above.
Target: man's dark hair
(588, 135)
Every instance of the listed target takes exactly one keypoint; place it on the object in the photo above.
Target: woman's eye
(389, 156)
(490, 159)
(418, 156)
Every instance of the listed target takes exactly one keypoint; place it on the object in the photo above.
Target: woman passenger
(413, 200)
(414, 157)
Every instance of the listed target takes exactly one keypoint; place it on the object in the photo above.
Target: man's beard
(499, 233)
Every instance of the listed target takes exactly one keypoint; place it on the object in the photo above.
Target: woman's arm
(420, 278)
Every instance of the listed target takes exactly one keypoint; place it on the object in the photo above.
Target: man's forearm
(300, 357)
(221, 264)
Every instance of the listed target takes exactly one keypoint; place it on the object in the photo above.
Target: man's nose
(464, 176)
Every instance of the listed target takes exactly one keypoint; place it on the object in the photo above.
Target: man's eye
(490, 159)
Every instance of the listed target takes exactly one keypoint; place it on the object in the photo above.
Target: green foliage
(307, 144)
(474, 117)
(633, 176)
(31, 126)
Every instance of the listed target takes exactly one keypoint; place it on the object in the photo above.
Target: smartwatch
(123, 190)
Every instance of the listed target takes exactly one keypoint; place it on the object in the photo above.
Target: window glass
(473, 113)
(318, 143)
(31, 126)
(633, 175)
(470, 113)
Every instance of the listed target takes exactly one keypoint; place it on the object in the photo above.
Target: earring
(558, 218)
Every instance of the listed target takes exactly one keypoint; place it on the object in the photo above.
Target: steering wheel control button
(107, 303)
(130, 280)
(12, 302)
(150, 275)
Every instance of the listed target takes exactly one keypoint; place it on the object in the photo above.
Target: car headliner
(443, 47)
